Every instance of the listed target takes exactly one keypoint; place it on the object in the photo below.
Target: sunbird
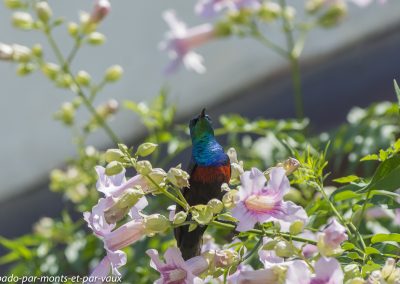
(209, 169)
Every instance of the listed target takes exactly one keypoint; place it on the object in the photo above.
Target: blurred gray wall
(32, 143)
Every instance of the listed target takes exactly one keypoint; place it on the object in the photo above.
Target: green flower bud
(180, 217)
(144, 167)
(289, 13)
(122, 206)
(296, 227)
(113, 73)
(283, 249)
(25, 69)
(64, 81)
(158, 176)
(83, 78)
(178, 177)
(230, 199)
(114, 155)
(202, 214)
(156, 223)
(334, 15)
(51, 70)
(146, 149)
(22, 20)
(43, 11)
(66, 114)
(215, 205)
(270, 245)
(37, 50)
(114, 168)
(96, 38)
(73, 29)
(388, 268)
(13, 4)
(269, 11)
(223, 29)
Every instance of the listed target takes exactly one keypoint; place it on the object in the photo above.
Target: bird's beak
(203, 113)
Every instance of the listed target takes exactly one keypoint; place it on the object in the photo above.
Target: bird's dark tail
(190, 243)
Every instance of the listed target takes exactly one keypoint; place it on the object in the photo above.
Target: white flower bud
(37, 50)
(22, 20)
(96, 38)
(269, 11)
(73, 29)
(283, 249)
(230, 199)
(6, 52)
(113, 73)
(13, 4)
(66, 113)
(83, 78)
(43, 11)
(21, 53)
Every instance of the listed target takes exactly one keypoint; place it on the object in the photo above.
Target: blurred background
(351, 65)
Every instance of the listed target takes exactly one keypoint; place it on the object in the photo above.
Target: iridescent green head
(201, 127)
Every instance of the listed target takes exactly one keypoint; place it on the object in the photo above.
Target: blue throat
(206, 151)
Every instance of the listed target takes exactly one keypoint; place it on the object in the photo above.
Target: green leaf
(354, 255)
(386, 176)
(347, 179)
(371, 250)
(372, 157)
(379, 238)
(369, 267)
(348, 246)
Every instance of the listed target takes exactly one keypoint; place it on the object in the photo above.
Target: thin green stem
(294, 62)
(78, 89)
(268, 234)
(255, 249)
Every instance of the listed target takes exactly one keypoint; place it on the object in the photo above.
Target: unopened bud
(114, 168)
(6, 52)
(22, 20)
(158, 176)
(96, 38)
(223, 29)
(269, 11)
(388, 268)
(296, 227)
(43, 11)
(351, 271)
(270, 245)
(180, 217)
(283, 249)
(113, 73)
(215, 205)
(64, 81)
(122, 206)
(289, 13)
(178, 177)
(100, 11)
(13, 4)
(230, 199)
(232, 155)
(225, 187)
(21, 53)
(156, 223)
(146, 149)
(357, 280)
(114, 155)
(334, 15)
(51, 70)
(37, 50)
(24, 69)
(202, 214)
(83, 78)
(73, 29)
(144, 167)
(67, 113)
